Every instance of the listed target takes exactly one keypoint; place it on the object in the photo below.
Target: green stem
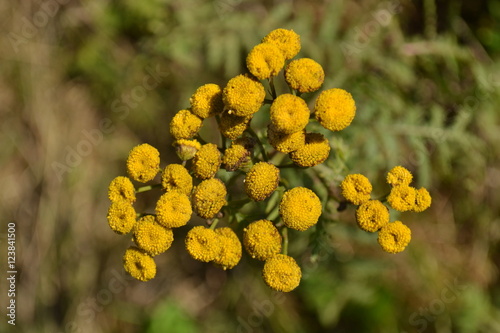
(239, 203)
(222, 137)
(273, 89)
(147, 188)
(291, 165)
(214, 223)
(284, 232)
(261, 146)
(268, 101)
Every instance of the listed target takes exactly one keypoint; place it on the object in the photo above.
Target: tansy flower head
(234, 156)
(186, 149)
(281, 273)
(300, 208)
(203, 244)
(261, 239)
(286, 40)
(315, 151)
(209, 197)
(207, 101)
(232, 126)
(121, 188)
(335, 109)
(372, 215)
(261, 181)
(138, 264)
(285, 143)
(207, 161)
(356, 188)
(151, 237)
(185, 125)
(402, 198)
(422, 200)
(176, 177)
(121, 217)
(243, 95)
(143, 163)
(265, 60)
(304, 75)
(394, 237)
(230, 253)
(399, 176)
(173, 209)
(289, 113)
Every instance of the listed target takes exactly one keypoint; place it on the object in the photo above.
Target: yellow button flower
(394, 237)
(335, 109)
(173, 209)
(185, 125)
(151, 237)
(422, 200)
(230, 253)
(261, 239)
(207, 161)
(143, 163)
(203, 244)
(138, 264)
(285, 143)
(282, 273)
(207, 101)
(234, 156)
(243, 96)
(186, 149)
(289, 114)
(261, 181)
(232, 126)
(265, 60)
(304, 75)
(176, 177)
(402, 198)
(399, 176)
(121, 188)
(287, 41)
(315, 151)
(121, 217)
(372, 215)
(209, 197)
(300, 208)
(356, 188)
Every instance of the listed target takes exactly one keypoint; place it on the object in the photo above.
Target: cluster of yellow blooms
(373, 215)
(193, 186)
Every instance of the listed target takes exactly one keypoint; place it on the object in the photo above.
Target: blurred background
(82, 82)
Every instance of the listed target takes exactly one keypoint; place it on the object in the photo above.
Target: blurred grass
(426, 87)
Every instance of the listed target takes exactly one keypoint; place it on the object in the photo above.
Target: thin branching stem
(147, 188)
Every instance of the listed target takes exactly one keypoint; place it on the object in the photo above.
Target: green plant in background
(287, 206)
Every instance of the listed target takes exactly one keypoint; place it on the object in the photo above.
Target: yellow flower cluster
(220, 246)
(373, 215)
(143, 163)
(300, 208)
(252, 159)
(404, 197)
(282, 273)
(209, 197)
(139, 264)
(261, 239)
(261, 181)
(151, 237)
